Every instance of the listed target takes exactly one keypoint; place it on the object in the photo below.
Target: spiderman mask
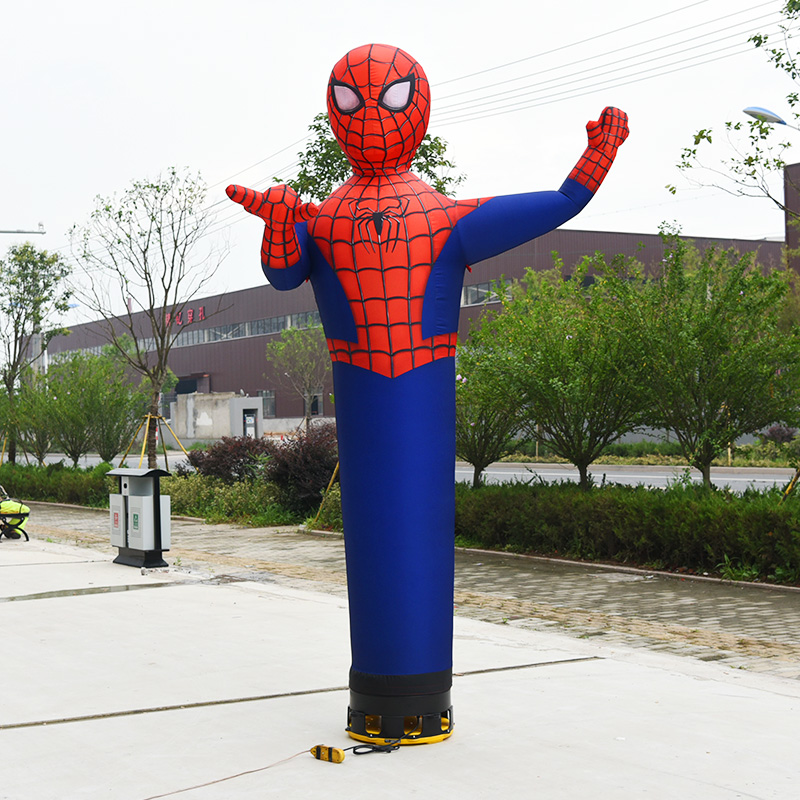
(379, 106)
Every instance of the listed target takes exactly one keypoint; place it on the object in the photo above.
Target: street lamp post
(39, 230)
(765, 115)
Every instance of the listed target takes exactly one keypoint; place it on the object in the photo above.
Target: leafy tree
(5, 418)
(487, 413)
(34, 294)
(94, 404)
(718, 365)
(757, 149)
(565, 349)
(121, 408)
(145, 262)
(301, 360)
(74, 389)
(324, 166)
(37, 428)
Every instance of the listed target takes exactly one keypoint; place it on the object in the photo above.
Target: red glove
(605, 137)
(280, 207)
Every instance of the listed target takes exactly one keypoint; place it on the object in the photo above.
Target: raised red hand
(605, 137)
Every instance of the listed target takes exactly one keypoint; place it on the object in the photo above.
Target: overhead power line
(613, 60)
(463, 115)
(574, 44)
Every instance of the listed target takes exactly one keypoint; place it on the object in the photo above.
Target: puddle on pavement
(87, 590)
(216, 580)
(621, 577)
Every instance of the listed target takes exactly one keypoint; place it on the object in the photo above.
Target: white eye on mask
(347, 99)
(397, 95)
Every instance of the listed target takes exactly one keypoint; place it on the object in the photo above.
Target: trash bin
(140, 517)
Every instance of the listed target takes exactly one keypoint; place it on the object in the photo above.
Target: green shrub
(330, 514)
(56, 483)
(244, 503)
(684, 527)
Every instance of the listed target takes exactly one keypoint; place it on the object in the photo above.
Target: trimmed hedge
(681, 528)
(56, 483)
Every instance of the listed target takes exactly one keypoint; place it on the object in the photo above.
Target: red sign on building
(192, 315)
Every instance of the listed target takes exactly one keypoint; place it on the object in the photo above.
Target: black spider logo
(387, 221)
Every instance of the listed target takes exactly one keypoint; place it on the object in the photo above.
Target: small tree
(324, 166)
(37, 427)
(34, 293)
(5, 418)
(487, 413)
(121, 409)
(564, 348)
(302, 362)
(147, 263)
(718, 365)
(75, 391)
(95, 405)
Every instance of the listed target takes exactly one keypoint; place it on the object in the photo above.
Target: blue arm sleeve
(292, 277)
(503, 223)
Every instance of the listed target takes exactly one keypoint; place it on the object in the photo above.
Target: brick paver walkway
(740, 625)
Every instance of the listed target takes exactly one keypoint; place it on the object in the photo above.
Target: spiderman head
(379, 105)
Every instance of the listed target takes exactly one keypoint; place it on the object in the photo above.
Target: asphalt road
(737, 478)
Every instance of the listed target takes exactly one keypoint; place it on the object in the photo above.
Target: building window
(267, 402)
(479, 293)
(167, 399)
(190, 336)
(235, 330)
(306, 319)
(313, 404)
(262, 327)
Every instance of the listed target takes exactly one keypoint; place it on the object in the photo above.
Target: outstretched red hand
(279, 207)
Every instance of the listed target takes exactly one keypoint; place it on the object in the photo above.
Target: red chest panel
(381, 235)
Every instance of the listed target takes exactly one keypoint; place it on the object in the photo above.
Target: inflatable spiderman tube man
(386, 255)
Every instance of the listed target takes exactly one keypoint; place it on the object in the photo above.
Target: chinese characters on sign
(187, 316)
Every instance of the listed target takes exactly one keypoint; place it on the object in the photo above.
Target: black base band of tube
(400, 685)
(408, 706)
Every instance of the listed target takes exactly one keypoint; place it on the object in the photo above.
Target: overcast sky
(96, 94)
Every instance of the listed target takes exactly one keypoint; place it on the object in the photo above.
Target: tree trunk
(705, 469)
(11, 431)
(152, 429)
(583, 472)
(476, 476)
(12, 447)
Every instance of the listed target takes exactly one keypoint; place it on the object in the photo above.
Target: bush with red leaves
(301, 467)
(232, 458)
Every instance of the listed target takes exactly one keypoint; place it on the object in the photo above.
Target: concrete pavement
(571, 680)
